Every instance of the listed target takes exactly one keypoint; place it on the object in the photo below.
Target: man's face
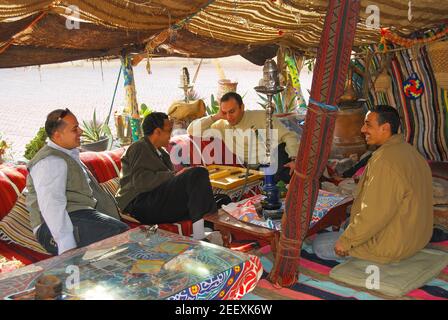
(164, 135)
(68, 136)
(232, 112)
(375, 133)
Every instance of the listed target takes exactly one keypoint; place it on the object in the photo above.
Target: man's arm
(50, 179)
(379, 204)
(198, 126)
(143, 178)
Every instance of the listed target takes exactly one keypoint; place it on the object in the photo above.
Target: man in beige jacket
(392, 216)
(244, 132)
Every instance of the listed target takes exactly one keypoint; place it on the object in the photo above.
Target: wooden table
(227, 224)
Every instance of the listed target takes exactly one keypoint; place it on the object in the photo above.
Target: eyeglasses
(63, 114)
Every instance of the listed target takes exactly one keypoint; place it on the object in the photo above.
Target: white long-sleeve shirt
(50, 178)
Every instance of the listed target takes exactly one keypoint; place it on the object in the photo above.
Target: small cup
(48, 287)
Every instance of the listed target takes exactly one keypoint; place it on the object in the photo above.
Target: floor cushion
(395, 279)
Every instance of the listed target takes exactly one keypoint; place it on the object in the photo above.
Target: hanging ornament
(383, 82)
(382, 47)
(405, 42)
(413, 87)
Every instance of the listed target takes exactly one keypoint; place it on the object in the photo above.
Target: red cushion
(184, 228)
(103, 165)
(12, 180)
(186, 149)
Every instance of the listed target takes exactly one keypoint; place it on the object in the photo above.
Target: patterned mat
(315, 283)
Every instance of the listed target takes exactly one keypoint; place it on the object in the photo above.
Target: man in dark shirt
(152, 192)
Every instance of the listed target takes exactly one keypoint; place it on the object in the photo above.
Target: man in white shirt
(68, 208)
(244, 132)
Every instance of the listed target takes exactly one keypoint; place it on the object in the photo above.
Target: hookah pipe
(271, 86)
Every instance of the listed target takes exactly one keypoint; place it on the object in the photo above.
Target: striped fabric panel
(16, 227)
(111, 186)
(425, 120)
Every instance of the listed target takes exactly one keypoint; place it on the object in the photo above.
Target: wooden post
(131, 105)
(328, 85)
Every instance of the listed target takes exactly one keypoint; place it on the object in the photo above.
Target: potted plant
(282, 107)
(213, 108)
(96, 135)
(3, 147)
(35, 144)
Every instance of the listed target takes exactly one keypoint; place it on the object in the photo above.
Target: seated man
(247, 133)
(152, 192)
(68, 208)
(392, 216)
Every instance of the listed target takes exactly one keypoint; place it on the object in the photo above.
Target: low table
(227, 224)
(138, 264)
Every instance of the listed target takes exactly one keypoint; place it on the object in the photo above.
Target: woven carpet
(315, 283)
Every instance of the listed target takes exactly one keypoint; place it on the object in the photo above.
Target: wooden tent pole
(328, 85)
(131, 105)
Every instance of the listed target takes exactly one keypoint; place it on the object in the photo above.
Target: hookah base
(274, 214)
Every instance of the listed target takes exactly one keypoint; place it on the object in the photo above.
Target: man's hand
(182, 171)
(340, 250)
(290, 165)
(218, 116)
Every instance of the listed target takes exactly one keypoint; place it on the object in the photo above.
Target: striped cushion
(16, 227)
(103, 165)
(12, 182)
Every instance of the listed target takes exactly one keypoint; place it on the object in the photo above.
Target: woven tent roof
(34, 32)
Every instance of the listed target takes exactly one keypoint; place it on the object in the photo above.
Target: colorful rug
(315, 283)
(245, 210)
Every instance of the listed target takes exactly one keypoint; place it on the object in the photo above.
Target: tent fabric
(200, 28)
(424, 120)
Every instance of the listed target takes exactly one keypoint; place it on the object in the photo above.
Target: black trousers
(188, 196)
(283, 158)
(89, 226)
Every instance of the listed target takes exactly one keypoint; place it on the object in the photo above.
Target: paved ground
(28, 94)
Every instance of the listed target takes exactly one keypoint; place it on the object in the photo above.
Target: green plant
(309, 64)
(94, 131)
(144, 110)
(213, 108)
(279, 101)
(35, 144)
(3, 145)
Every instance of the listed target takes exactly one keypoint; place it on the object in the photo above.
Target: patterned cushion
(103, 165)
(12, 182)
(16, 227)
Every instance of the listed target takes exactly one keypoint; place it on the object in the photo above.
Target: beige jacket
(255, 121)
(392, 215)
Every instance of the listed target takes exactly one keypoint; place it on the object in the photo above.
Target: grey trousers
(323, 245)
(89, 226)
